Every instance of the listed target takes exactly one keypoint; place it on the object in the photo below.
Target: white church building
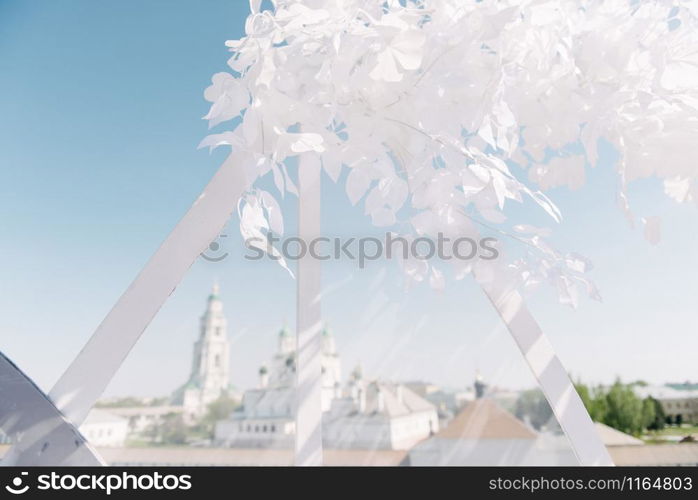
(375, 415)
(209, 377)
(363, 415)
(266, 418)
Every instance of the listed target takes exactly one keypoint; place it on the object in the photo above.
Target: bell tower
(211, 350)
(209, 376)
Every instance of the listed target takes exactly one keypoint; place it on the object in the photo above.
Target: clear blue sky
(100, 116)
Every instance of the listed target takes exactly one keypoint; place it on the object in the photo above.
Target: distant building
(282, 372)
(103, 428)
(142, 419)
(479, 385)
(679, 405)
(484, 433)
(446, 402)
(378, 415)
(369, 415)
(683, 386)
(209, 377)
(613, 437)
(266, 418)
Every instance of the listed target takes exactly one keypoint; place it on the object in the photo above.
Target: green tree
(594, 401)
(120, 403)
(649, 413)
(170, 430)
(659, 418)
(219, 409)
(173, 429)
(531, 405)
(624, 409)
(600, 407)
(584, 395)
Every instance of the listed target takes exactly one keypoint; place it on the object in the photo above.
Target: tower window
(217, 360)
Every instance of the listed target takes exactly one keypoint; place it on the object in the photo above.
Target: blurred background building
(370, 421)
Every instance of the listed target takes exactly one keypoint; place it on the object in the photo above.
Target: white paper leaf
(332, 164)
(274, 215)
(437, 280)
(358, 182)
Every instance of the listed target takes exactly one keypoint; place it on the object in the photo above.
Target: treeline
(617, 406)
(172, 429)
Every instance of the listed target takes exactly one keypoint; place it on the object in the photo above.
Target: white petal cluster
(448, 110)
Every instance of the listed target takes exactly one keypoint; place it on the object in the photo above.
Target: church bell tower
(210, 371)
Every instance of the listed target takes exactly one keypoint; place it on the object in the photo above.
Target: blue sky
(100, 116)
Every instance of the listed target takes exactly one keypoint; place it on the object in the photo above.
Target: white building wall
(102, 429)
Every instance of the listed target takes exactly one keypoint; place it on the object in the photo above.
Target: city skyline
(251, 380)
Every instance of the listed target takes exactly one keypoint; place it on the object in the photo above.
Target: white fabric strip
(27, 416)
(308, 317)
(552, 376)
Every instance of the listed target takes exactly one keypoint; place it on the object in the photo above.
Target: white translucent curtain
(86, 378)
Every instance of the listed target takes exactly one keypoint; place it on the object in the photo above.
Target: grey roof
(393, 405)
(663, 392)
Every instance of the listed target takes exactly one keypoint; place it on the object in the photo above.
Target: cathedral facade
(362, 414)
(266, 418)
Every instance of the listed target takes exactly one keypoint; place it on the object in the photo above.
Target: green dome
(214, 292)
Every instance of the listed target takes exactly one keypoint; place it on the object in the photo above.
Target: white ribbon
(308, 444)
(551, 375)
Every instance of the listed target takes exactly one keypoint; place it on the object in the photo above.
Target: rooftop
(485, 419)
(613, 437)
